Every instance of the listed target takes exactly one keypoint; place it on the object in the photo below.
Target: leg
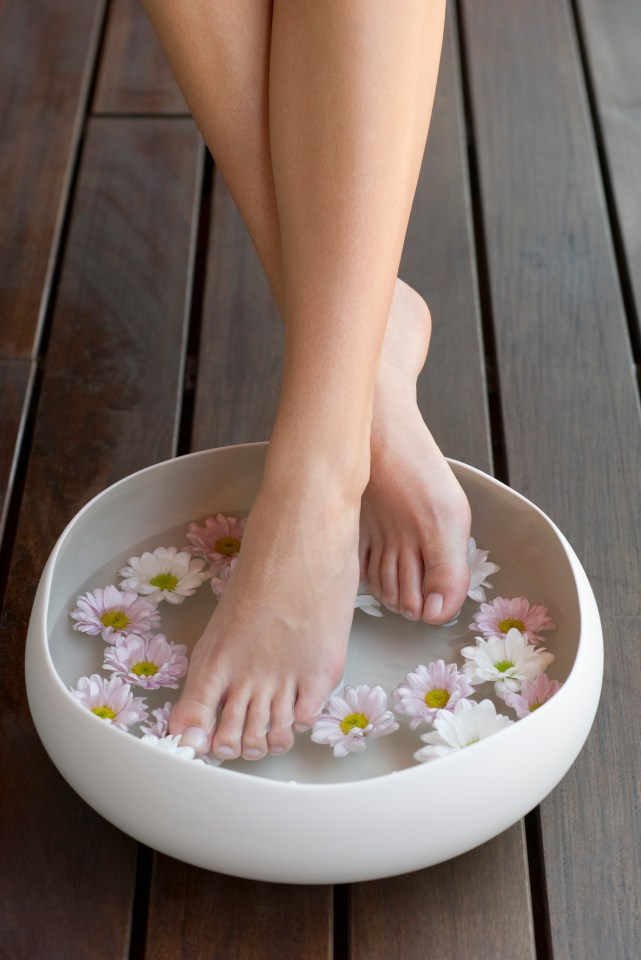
(189, 34)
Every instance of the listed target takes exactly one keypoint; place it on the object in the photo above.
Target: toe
(309, 704)
(226, 742)
(389, 580)
(445, 587)
(410, 576)
(374, 572)
(254, 742)
(280, 737)
(194, 716)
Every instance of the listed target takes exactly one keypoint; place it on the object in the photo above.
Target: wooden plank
(572, 424)
(199, 915)
(107, 408)
(134, 75)
(16, 381)
(611, 32)
(444, 908)
(45, 70)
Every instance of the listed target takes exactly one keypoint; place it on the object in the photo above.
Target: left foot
(415, 518)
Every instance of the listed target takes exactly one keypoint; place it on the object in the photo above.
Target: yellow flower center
(105, 713)
(115, 618)
(437, 699)
(144, 669)
(354, 720)
(506, 625)
(503, 665)
(164, 581)
(535, 706)
(470, 742)
(227, 545)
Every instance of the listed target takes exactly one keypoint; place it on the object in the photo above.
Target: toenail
(301, 727)
(194, 737)
(226, 751)
(409, 614)
(253, 752)
(433, 606)
(277, 750)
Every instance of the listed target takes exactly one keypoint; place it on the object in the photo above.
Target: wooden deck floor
(125, 266)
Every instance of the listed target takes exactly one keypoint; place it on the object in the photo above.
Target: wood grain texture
(134, 76)
(16, 381)
(107, 407)
(573, 429)
(611, 32)
(199, 915)
(45, 69)
(443, 911)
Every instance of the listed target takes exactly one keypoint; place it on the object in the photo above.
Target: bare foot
(415, 518)
(276, 643)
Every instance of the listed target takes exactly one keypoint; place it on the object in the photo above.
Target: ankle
(336, 474)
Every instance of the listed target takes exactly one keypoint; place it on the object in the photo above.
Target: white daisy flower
(507, 661)
(169, 744)
(480, 570)
(469, 723)
(368, 604)
(164, 574)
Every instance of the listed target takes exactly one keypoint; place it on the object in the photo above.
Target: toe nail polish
(433, 606)
(194, 737)
(226, 751)
(253, 752)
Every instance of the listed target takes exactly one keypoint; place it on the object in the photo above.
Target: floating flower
(218, 541)
(149, 662)
(429, 690)
(170, 744)
(466, 725)
(533, 694)
(496, 618)
(221, 577)
(480, 570)
(508, 661)
(111, 700)
(348, 719)
(164, 574)
(112, 613)
(161, 727)
(366, 602)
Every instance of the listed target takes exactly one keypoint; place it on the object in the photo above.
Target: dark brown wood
(611, 32)
(134, 75)
(450, 910)
(199, 915)
(107, 408)
(16, 381)
(572, 424)
(46, 64)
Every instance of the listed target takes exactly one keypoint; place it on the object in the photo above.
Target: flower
(496, 618)
(164, 574)
(348, 719)
(111, 700)
(169, 744)
(469, 723)
(533, 694)
(221, 577)
(366, 602)
(429, 690)
(113, 613)
(161, 727)
(480, 569)
(218, 541)
(149, 662)
(508, 661)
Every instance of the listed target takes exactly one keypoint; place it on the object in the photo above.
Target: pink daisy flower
(496, 618)
(427, 691)
(221, 577)
(111, 700)
(349, 719)
(149, 662)
(160, 728)
(112, 613)
(218, 540)
(533, 694)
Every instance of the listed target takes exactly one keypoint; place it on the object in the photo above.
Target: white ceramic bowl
(307, 817)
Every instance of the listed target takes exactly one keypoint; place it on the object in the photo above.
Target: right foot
(275, 645)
